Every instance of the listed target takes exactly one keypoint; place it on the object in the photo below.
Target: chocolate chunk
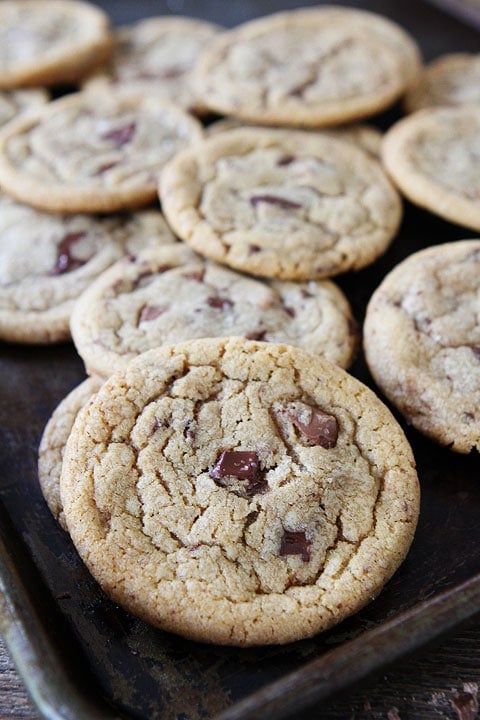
(258, 335)
(219, 302)
(285, 160)
(290, 311)
(317, 426)
(150, 312)
(106, 166)
(476, 351)
(305, 294)
(253, 249)
(144, 277)
(242, 464)
(65, 262)
(295, 543)
(121, 136)
(274, 200)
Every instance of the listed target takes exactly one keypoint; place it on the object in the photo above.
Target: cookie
(157, 54)
(54, 438)
(432, 156)
(47, 261)
(452, 79)
(366, 137)
(171, 294)
(47, 42)
(90, 152)
(14, 102)
(310, 66)
(422, 342)
(281, 203)
(265, 493)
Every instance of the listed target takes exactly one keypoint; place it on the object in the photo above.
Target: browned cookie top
(46, 42)
(281, 203)
(309, 66)
(93, 152)
(264, 493)
(170, 294)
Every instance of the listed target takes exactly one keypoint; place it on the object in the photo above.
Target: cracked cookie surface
(265, 493)
(93, 152)
(281, 203)
(158, 55)
(47, 261)
(422, 342)
(14, 102)
(46, 42)
(432, 156)
(172, 294)
(311, 66)
(452, 79)
(54, 439)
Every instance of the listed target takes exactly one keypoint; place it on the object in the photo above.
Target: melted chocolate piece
(294, 542)
(147, 274)
(121, 136)
(65, 261)
(274, 200)
(150, 312)
(253, 249)
(220, 303)
(285, 160)
(320, 428)
(476, 351)
(106, 166)
(290, 311)
(258, 335)
(242, 464)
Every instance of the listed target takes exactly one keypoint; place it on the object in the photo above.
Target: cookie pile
(219, 443)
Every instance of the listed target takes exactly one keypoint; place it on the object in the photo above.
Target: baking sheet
(143, 672)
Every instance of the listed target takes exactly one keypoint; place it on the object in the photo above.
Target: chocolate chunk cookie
(281, 203)
(366, 137)
(46, 42)
(452, 79)
(91, 152)
(422, 342)
(54, 438)
(158, 55)
(264, 493)
(171, 294)
(310, 66)
(47, 261)
(14, 102)
(432, 156)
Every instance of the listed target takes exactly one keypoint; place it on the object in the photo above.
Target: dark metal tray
(81, 656)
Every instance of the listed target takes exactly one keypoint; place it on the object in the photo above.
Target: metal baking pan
(83, 657)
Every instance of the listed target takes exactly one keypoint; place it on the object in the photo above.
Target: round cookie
(93, 152)
(281, 203)
(170, 294)
(366, 137)
(309, 66)
(53, 441)
(422, 342)
(452, 79)
(432, 156)
(265, 493)
(47, 42)
(157, 54)
(47, 261)
(14, 102)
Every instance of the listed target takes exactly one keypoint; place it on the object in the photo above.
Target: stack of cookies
(219, 443)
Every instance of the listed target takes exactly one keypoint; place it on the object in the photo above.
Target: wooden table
(441, 683)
